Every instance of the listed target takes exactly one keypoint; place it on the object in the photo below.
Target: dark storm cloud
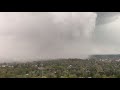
(106, 17)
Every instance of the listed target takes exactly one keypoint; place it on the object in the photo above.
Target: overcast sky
(59, 34)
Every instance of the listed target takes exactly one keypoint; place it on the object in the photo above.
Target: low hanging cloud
(46, 34)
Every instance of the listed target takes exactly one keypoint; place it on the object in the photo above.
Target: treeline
(63, 68)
